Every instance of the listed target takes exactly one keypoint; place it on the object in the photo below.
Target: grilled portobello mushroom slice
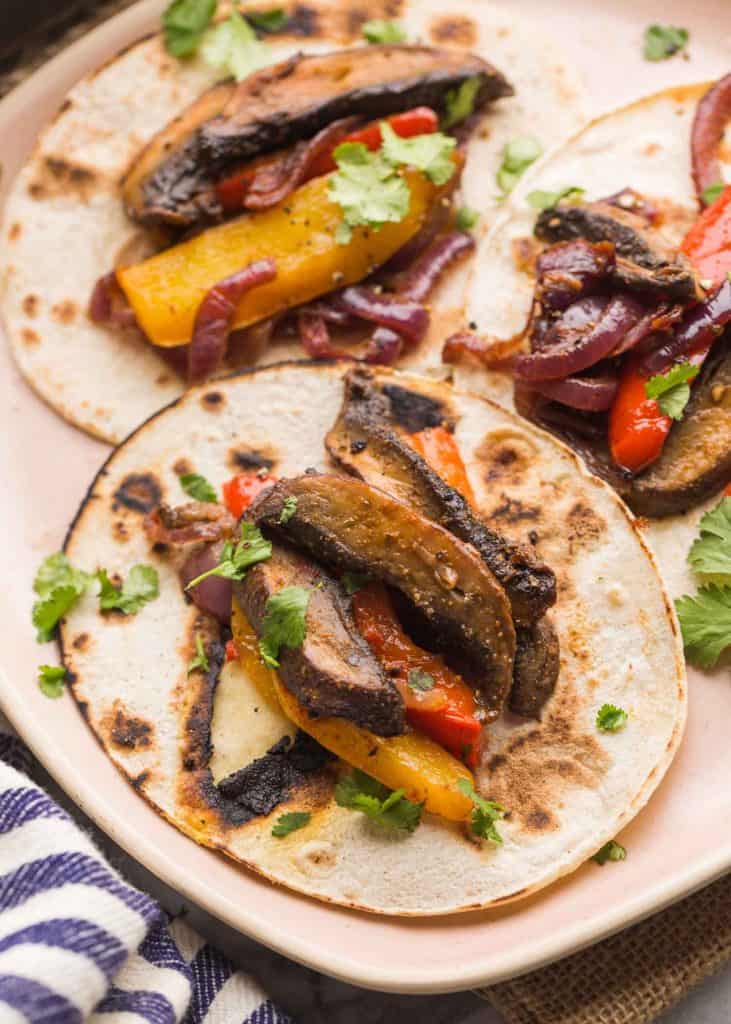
(696, 461)
(351, 526)
(646, 262)
(334, 672)
(537, 663)
(172, 179)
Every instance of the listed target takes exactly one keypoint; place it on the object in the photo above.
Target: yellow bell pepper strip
(412, 762)
(298, 234)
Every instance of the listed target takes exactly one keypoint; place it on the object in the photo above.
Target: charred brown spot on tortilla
(182, 466)
(120, 531)
(139, 781)
(30, 305)
(302, 21)
(213, 401)
(414, 411)
(14, 231)
(251, 460)
(126, 730)
(513, 510)
(65, 311)
(29, 336)
(139, 492)
(584, 526)
(456, 29)
(57, 176)
(539, 820)
(81, 642)
(505, 456)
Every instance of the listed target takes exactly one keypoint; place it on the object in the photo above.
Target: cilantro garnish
(710, 554)
(705, 622)
(232, 45)
(610, 851)
(284, 623)
(354, 581)
(610, 718)
(485, 813)
(237, 558)
(288, 510)
(290, 822)
(379, 30)
(710, 195)
(672, 389)
(268, 21)
(466, 218)
(430, 152)
(389, 808)
(200, 658)
(367, 188)
(51, 679)
(459, 103)
(662, 41)
(140, 587)
(184, 24)
(59, 586)
(198, 487)
(420, 681)
(518, 155)
(543, 200)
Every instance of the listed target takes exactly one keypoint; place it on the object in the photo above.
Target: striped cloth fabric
(77, 943)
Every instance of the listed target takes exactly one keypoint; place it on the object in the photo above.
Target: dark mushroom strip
(334, 673)
(354, 527)
(537, 664)
(172, 180)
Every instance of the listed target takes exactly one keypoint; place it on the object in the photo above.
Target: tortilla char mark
(138, 492)
(127, 731)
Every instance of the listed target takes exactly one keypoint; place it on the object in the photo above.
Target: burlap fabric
(628, 979)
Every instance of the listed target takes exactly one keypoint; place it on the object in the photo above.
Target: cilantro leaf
(671, 389)
(184, 23)
(485, 813)
(420, 681)
(705, 622)
(368, 189)
(290, 822)
(198, 487)
(268, 21)
(140, 587)
(467, 218)
(354, 581)
(200, 658)
(59, 586)
(288, 510)
(389, 808)
(232, 45)
(459, 103)
(662, 41)
(518, 155)
(379, 30)
(284, 623)
(610, 718)
(710, 195)
(237, 558)
(430, 153)
(542, 200)
(51, 679)
(610, 851)
(710, 554)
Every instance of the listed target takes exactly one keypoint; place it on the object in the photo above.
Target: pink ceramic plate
(681, 841)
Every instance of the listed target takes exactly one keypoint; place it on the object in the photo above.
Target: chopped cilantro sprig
(284, 624)
(51, 680)
(58, 586)
(663, 41)
(672, 389)
(611, 851)
(237, 557)
(290, 822)
(484, 815)
(197, 487)
(389, 808)
(380, 30)
(139, 588)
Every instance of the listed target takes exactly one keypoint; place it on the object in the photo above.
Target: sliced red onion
(315, 337)
(108, 303)
(533, 406)
(590, 394)
(650, 329)
(422, 276)
(408, 318)
(581, 338)
(329, 310)
(212, 595)
(711, 116)
(571, 270)
(628, 199)
(700, 326)
(495, 354)
(275, 181)
(384, 347)
(215, 314)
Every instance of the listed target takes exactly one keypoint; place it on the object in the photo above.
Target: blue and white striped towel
(77, 943)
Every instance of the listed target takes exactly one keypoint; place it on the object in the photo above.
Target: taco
(601, 300)
(310, 189)
(382, 656)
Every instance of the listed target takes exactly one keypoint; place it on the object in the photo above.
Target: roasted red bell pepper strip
(444, 707)
(231, 190)
(232, 651)
(708, 243)
(727, 492)
(240, 490)
(438, 447)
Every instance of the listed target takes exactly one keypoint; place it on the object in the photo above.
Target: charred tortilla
(221, 762)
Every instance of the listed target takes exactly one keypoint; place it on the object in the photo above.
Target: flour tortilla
(569, 787)
(645, 146)
(64, 224)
